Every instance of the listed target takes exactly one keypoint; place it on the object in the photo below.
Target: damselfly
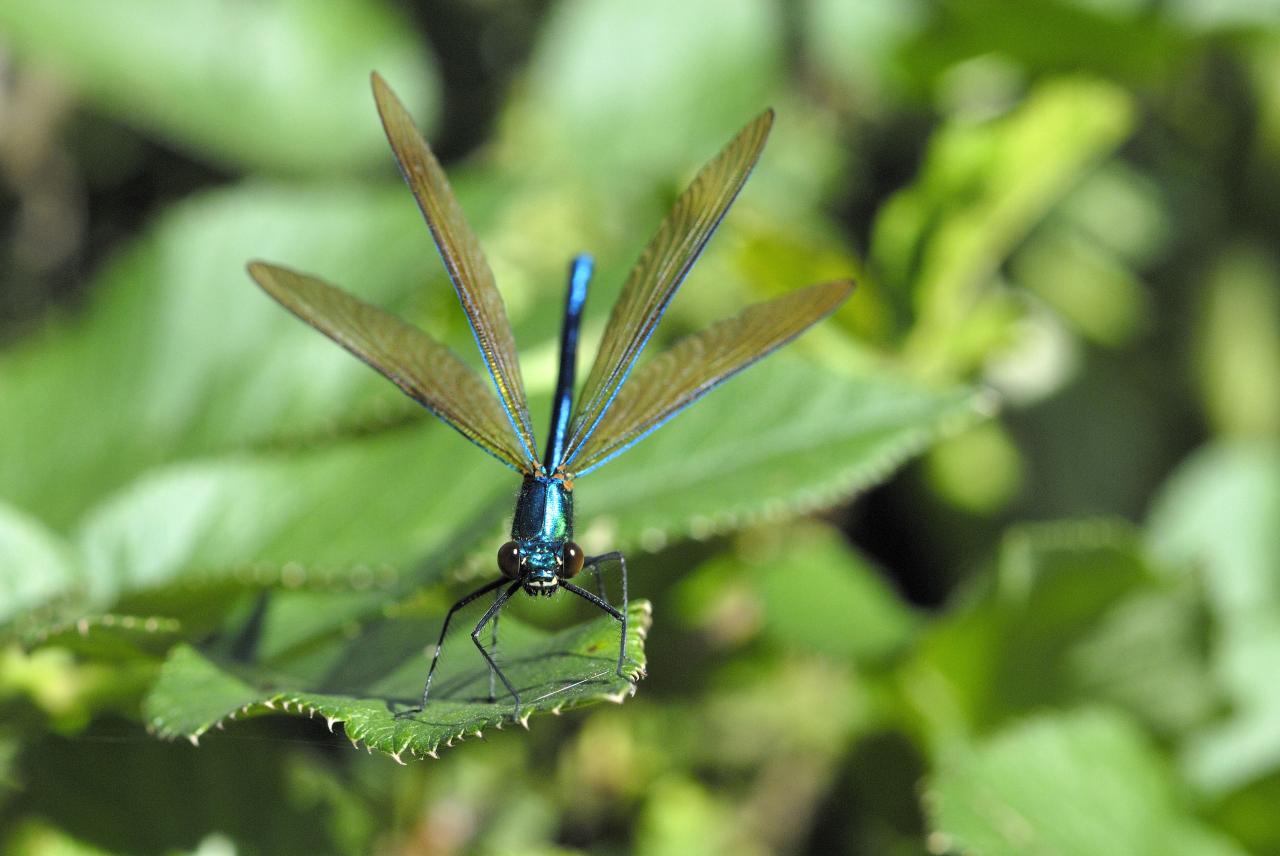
(614, 409)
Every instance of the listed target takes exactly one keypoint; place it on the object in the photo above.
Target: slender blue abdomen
(579, 278)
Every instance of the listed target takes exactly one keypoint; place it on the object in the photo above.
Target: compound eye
(573, 559)
(509, 559)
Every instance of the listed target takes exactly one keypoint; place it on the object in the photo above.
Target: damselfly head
(540, 566)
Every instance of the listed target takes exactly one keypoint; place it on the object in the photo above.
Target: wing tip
(839, 291)
(386, 100)
(259, 270)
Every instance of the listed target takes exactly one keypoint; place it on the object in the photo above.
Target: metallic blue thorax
(543, 522)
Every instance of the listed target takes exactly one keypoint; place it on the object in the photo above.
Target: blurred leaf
(853, 44)
(1047, 36)
(1218, 517)
(781, 439)
(8, 752)
(1239, 350)
(382, 671)
(979, 470)
(1084, 782)
(1249, 814)
(35, 564)
(611, 82)
(1084, 283)
(36, 838)
(274, 84)
(1225, 15)
(980, 191)
(189, 796)
(1121, 210)
(1076, 613)
(822, 595)
(682, 816)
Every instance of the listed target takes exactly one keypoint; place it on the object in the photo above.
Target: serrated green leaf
(371, 517)
(1087, 782)
(364, 512)
(279, 85)
(782, 439)
(552, 670)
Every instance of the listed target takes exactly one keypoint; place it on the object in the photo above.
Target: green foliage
(1085, 782)
(278, 85)
(981, 188)
(1235, 490)
(1056, 633)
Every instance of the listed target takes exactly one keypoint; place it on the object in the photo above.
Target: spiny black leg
(435, 659)
(493, 643)
(475, 637)
(604, 604)
(595, 572)
(594, 562)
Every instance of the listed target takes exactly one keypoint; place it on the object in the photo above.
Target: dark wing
(426, 370)
(698, 363)
(462, 257)
(659, 272)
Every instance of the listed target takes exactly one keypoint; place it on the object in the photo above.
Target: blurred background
(988, 563)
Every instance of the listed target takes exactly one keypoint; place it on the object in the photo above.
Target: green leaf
(1085, 782)
(981, 190)
(1077, 612)
(611, 81)
(802, 587)
(1119, 40)
(304, 520)
(782, 439)
(35, 564)
(210, 361)
(1238, 364)
(1217, 518)
(363, 687)
(278, 84)
(368, 517)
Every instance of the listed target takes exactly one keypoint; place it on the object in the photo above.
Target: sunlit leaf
(1238, 363)
(980, 191)
(373, 517)
(1087, 782)
(365, 688)
(1218, 518)
(783, 438)
(280, 85)
(35, 564)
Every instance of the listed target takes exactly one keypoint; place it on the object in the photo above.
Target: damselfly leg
(594, 563)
